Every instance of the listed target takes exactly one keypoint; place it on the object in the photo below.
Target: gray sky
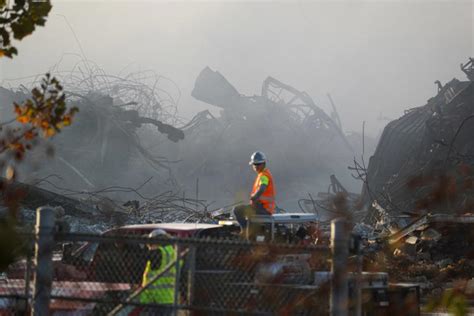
(373, 57)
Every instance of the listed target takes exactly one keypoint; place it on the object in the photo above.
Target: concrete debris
(412, 240)
(96, 213)
(418, 190)
(433, 250)
(363, 230)
(430, 234)
(444, 263)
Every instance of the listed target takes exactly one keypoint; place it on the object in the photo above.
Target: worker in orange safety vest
(262, 197)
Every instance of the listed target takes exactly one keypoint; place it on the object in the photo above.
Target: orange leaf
(49, 132)
(29, 135)
(17, 146)
(67, 120)
(17, 109)
(23, 119)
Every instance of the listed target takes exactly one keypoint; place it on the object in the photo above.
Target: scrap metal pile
(424, 160)
(101, 171)
(419, 190)
(304, 144)
(418, 194)
(131, 158)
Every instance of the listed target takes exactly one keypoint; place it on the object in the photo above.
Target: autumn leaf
(49, 132)
(17, 109)
(23, 119)
(29, 135)
(67, 120)
(17, 146)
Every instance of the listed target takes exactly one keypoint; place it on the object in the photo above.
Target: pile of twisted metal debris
(304, 144)
(424, 160)
(419, 192)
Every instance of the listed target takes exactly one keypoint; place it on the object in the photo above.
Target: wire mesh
(105, 275)
(16, 282)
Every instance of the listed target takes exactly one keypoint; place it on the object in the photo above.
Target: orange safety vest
(268, 196)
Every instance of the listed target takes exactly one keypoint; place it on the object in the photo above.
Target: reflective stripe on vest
(267, 199)
(161, 291)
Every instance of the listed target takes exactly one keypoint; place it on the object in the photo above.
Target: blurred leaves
(453, 301)
(18, 20)
(46, 111)
(10, 243)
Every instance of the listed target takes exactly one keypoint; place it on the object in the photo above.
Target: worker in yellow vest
(262, 197)
(162, 290)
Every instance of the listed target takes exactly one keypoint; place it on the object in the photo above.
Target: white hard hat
(257, 158)
(157, 232)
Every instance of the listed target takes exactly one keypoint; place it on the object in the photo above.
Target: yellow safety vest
(161, 291)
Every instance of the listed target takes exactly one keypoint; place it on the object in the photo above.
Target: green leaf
(22, 28)
(18, 5)
(40, 9)
(8, 52)
(5, 36)
(13, 51)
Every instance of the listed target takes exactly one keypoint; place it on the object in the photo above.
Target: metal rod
(197, 194)
(44, 244)
(176, 280)
(357, 287)
(339, 284)
(191, 271)
(28, 273)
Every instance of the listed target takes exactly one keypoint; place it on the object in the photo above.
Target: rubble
(423, 162)
(433, 251)
(417, 195)
(416, 204)
(95, 212)
(281, 121)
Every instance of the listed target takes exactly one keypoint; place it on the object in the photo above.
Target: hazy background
(375, 58)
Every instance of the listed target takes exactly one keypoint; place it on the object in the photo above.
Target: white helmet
(257, 158)
(157, 233)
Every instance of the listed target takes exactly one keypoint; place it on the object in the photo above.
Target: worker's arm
(263, 186)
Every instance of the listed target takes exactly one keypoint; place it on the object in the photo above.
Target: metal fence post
(357, 286)
(177, 280)
(44, 243)
(339, 283)
(191, 272)
(28, 273)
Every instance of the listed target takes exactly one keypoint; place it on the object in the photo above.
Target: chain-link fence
(100, 275)
(16, 283)
(120, 275)
(131, 274)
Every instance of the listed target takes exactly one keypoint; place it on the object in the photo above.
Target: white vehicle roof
(287, 218)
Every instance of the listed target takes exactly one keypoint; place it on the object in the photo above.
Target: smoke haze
(375, 58)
